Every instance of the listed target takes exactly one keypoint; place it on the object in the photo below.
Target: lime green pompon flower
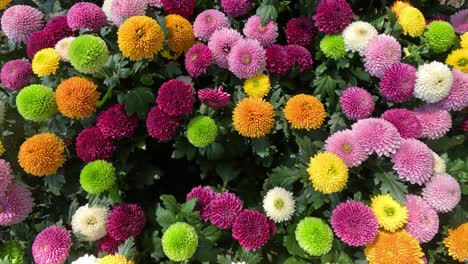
(202, 131)
(12, 251)
(97, 176)
(314, 236)
(180, 241)
(88, 53)
(440, 36)
(333, 46)
(36, 103)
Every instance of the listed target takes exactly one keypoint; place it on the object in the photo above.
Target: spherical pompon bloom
(223, 210)
(84, 15)
(176, 98)
(180, 33)
(265, 34)
(204, 195)
(90, 222)
(252, 229)
(300, 31)
(299, 56)
(458, 96)
(16, 74)
(207, 22)
(202, 131)
(459, 21)
(214, 98)
(442, 192)
(45, 62)
(12, 251)
(356, 103)
(108, 244)
(253, 117)
(19, 21)
(62, 48)
(97, 176)
(333, 16)
(114, 259)
(86, 259)
(236, 8)
(123, 9)
(458, 59)
(125, 221)
(346, 145)
(5, 175)
(464, 40)
(398, 82)
(180, 241)
(37, 41)
(413, 161)
(377, 135)
(160, 125)
(314, 236)
(88, 53)
(221, 43)
(279, 204)
(412, 21)
(456, 242)
(423, 221)
(333, 46)
(304, 111)
(381, 53)
(327, 172)
(390, 214)
(52, 245)
(58, 28)
(92, 145)
(440, 36)
(197, 60)
(354, 223)
(140, 37)
(179, 7)
(435, 122)
(356, 36)
(76, 97)
(15, 205)
(398, 6)
(247, 58)
(396, 248)
(434, 81)
(115, 123)
(257, 86)
(405, 121)
(42, 154)
(277, 60)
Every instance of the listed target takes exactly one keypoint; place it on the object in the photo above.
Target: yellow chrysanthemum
(457, 243)
(253, 117)
(257, 86)
(76, 97)
(327, 172)
(114, 259)
(464, 40)
(412, 21)
(140, 37)
(304, 112)
(458, 59)
(396, 248)
(4, 4)
(45, 62)
(390, 214)
(398, 6)
(180, 33)
(2, 148)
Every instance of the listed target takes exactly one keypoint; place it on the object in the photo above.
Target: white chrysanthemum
(2, 111)
(62, 48)
(357, 35)
(90, 222)
(86, 259)
(106, 7)
(439, 163)
(279, 204)
(433, 82)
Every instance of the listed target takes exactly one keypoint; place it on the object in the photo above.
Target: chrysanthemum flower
(346, 145)
(180, 241)
(398, 6)
(458, 96)
(314, 236)
(300, 31)
(42, 154)
(257, 86)
(458, 59)
(114, 259)
(204, 195)
(92, 145)
(16, 74)
(265, 34)
(221, 43)
(396, 248)
(251, 229)
(333, 46)
(19, 21)
(356, 36)
(123, 9)
(90, 222)
(45, 62)
(464, 40)
(76, 97)
(390, 214)
(39, 40)
(412, 21)
(413, 161)
(140, 37)
(58, 28)
(223, 210)
(5, 175)
(207, 22)
(356, 103)
(52, 245)
(304, 111)
(435, 122)
(115, 123)
(459, 21)
(108, 244)
(88, 53)
(176, 98)
(214, 98)
(277, 60)
(442, 192)
(84, 15)
(86, 259)
(439, 163)
(125, 221)
(197, 60)
(247, 58)
(398, 82)
(4, 4)
(377, 135)
(253, 117)
(327, 172)
(13, 251)
(299, 56)
(236, 8)
(279, 204)
(381, 53)
(405, 121)
(202, 131)
(440, 36)
(183, 8)
(354, 223)
(333, 16)
(36, 103)
(456, 242)
(97, 176)
(160, 125)
(180, 34)
(62, 48)
(423, 221)
(16, 204)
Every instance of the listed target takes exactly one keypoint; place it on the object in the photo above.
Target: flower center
(208, 19)
(362, 31)
(347, 147)
(91, 221)
(279, 203)
(331, 170)
(193, 57)
(261, 28)
(389, 211)
(227, 49)
(246, 59)
(140, 32)
(462, 62)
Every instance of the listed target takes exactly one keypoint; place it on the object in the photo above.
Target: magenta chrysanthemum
(221, 43)
(465, 124)
(58, 28)
(423, 221)
(333, 16)
(381, 53)
(15, 74)
(277, 60)
(397, 83)
(251, 229)
(52, 245)
(458, 96)
(115, 123)
(346, 145)
(84, 15)
(354, 223)
(125, 221)
(179, 7)
(405, 121)
(413, 161)
(459, 21)
(207, 22)
(214, 98)
(198, 59)
(300, 31)
(356, 103)
(5, 176)
(176, 98)
(160, 125)
(204, 195)
(38, 40)
(299, 56)
(265, 34)
(436, 18)
(19, 21)
(377, 135)
(108, 244)
(236, 8)
(91, 145)
(247, 59)
(15, 205)
(123, 9)
(223, 210)
(442, 192)
(435, 122)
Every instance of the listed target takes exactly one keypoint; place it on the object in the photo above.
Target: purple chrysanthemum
(52, 245)
(5, 176)
(435, 122)
(125, 221)
(459, 21)
(377, 135)
(397, 83)
(247, 59)
(381, 53)
(423, 221)
(179, 7)
(251, 229)
(176, 98)
(15, 74)
(265, 34)
(19, 21)
(347, 146)
(108, 244)
(442, 192)
(299, 56)
(39, 40)
(115, 123)
(236, 8)
(413, 161)
(356, 103)
(300, 31)
(207, 22)
(15, 205)
(91, 145)
(197, 59)
(405, 121)
(333, 16)
(221, 43)
(84, 15)
(277, 60)
(223, 210)
(204, 195)
(58, 28)
(354, 223)
(123, 9)
(458, 96)
(160, 125)
(214, 98)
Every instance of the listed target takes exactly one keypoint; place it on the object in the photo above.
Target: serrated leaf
(390, 184)
(54, 183)
(158, 252)
(284, 176)
(206, 251)
(267, 13)
(138, 101)
(249, 256)
(165, 217)
(293, 248)
(127, 249)
(211, 233)
(170, 203)
(187, 207)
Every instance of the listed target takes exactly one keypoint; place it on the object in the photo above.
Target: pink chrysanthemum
(265, 34)
(413, 161)
(381, 53)
(458, 96)
(277, 60)
(125, 221)
(179, 7)
(155, 3)
(435, 122)
(299, 56)
(58, 28)
(176, 98)
(354, 223)
(356, 103)
(221, 43)
(15, 205)
(247, 59)
(160, 125)
(377, 135)
(459, 21)
(204, 195)
(405, 121)
(115, 123)
(38, 40)
(5, 176)
(91, 145)
(207, 22)
(84, 15)
(52, 245)
(19, 21)
(423, 221)
(108, 244)
(333, 16)
(251, 229)
(397, 83)
(347, 146)
(16, 74)
(223, 210)
(123, 9)
(442, 192)
(300, 31)
(198, 59)
(214, 98)
(236, 8)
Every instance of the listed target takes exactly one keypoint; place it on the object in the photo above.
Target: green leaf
(158, 252)
(211, 233)
(390, 184)
(249, 256)
(261, 146)
(138, 101)
(127, 249)
(165, 217)
(267, 13)
(188, 207)
(173, 69)
(284, 176)
(170, 203)
(446, 143)
(54, 183)
(224, 259)
(293, 248)
(360, 74)
(206, 250)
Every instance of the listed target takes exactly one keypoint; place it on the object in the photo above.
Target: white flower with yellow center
(279, 204)
(356, 36)
(439, 163)
(433, 82)
(90, 222)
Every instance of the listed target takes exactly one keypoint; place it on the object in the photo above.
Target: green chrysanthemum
(333, 46)
(440, 36)
(88, 53)
(36, 103)
(12, 251)
(180, 241)
(97, 176)
(202, 131)
(314, 236)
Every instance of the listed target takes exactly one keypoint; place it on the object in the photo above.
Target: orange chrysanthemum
(180, 33)
(396, 248)
(42, 154)
(76, 97)
(304, 112)
(253, 117)
(398, 6)
(457, 243)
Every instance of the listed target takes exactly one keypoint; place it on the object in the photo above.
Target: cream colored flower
(90, 222)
